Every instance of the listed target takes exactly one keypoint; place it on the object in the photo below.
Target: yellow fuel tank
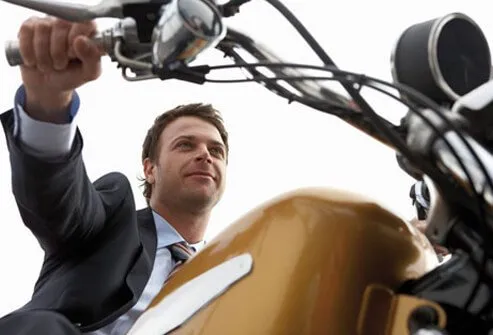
(298, 264)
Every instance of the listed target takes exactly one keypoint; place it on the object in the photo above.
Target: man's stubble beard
(190, 200)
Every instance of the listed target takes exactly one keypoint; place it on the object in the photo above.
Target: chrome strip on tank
(185, 301)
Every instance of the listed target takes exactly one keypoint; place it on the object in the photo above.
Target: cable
(387, 131)
(366, 108)
(342, 79)
(479, 197)
(351, 80)
(361, 102)
(341, 75)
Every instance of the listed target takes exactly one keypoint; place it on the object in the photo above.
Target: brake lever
(76, 12)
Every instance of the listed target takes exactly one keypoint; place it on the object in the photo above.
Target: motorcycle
(317, 260)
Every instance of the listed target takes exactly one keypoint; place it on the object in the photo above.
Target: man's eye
(217, 152)
(185, 145)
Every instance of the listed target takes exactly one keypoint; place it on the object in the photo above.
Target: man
(104, 261)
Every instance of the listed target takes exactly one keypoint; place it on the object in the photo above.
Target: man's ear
(149, 171)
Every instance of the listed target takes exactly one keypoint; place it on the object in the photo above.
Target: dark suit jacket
(36, 322)
(99, 251)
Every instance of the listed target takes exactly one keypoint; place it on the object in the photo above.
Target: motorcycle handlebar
(106, 41)
(183, 29)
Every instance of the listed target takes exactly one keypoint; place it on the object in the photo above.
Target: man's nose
(204, 154)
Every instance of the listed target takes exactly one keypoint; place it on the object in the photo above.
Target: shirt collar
(167, 234)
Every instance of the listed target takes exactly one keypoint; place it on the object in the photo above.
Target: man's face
(190, 170)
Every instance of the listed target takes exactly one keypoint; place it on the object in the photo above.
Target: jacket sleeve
(54, 195)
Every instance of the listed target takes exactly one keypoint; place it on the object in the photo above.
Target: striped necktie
(180, 252)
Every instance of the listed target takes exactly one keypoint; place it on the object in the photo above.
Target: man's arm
(56, 199)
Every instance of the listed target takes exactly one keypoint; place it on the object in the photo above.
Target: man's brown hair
(206, 112)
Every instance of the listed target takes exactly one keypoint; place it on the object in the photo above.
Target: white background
(275, 147)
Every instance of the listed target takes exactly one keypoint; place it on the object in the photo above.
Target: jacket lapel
(147, 230)
(141, 271)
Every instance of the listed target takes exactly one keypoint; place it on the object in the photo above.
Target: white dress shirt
(163, 265)
(47, 140)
